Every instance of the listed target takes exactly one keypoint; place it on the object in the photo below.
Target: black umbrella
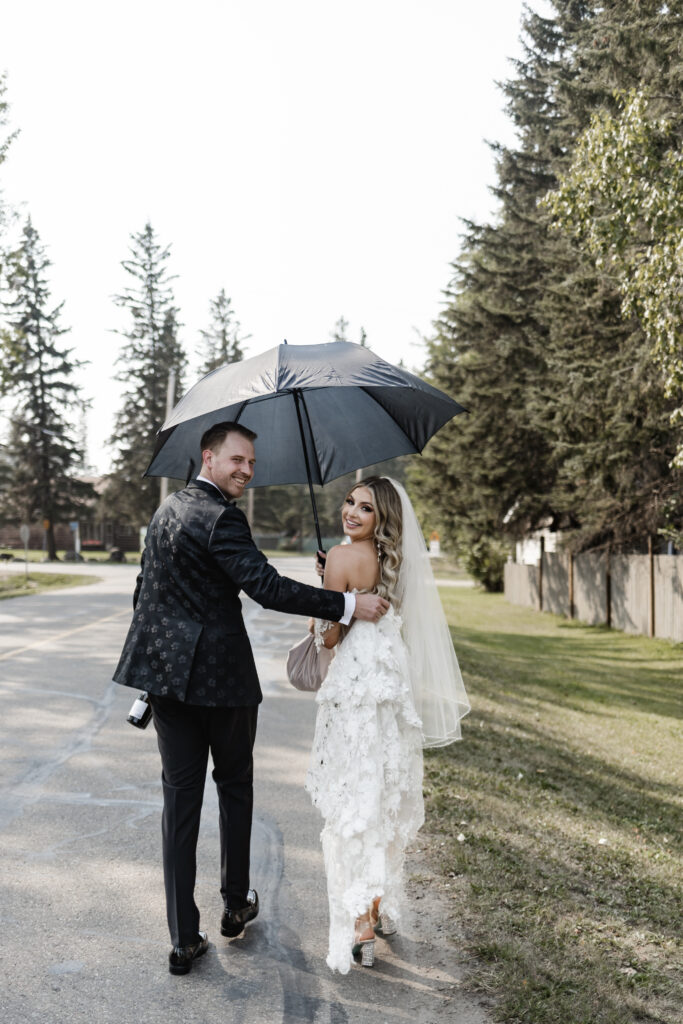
(320, 411)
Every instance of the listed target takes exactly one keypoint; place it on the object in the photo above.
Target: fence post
(540, 576)
(651, 553)
(608, 586)
(571, 584)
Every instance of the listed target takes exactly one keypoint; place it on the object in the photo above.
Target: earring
(379, 551)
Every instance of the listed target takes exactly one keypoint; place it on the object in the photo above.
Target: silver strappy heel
(367, 956)
(365, 948)
(385, 925)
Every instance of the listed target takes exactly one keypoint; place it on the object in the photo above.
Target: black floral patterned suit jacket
(187, 639)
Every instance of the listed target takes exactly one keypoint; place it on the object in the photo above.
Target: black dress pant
(186, 733)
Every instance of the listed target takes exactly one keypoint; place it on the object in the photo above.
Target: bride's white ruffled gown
(365, 777)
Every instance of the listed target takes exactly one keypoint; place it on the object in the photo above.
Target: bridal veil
(436, 682)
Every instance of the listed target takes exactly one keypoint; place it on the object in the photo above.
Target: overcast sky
(312, 158)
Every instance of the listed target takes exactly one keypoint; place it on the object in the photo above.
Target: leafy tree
(568, 422)
(221, 341)
(611, 433)
(622, 198)
(38, 375)
(152, 351)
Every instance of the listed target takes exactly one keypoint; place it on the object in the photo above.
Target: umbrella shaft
(297, 400)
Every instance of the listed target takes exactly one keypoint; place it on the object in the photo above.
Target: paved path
(81, 913)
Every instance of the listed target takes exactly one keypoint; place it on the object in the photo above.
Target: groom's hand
(370, 607)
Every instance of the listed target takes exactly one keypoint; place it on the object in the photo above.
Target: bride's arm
(335, 578)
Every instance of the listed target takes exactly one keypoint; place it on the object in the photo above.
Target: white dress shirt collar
(205, 480)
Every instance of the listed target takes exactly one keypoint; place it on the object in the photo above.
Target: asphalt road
(82, 921)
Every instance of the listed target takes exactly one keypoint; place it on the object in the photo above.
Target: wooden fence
(635, 593)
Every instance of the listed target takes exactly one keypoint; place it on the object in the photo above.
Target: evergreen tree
(622, 199)
(38, 375)
(6, 139)
(490, 472)
(567, 424)
(151, 352)
(340, 329)
(610, 416)
(5, 142)
(338, 332)
(221, 341)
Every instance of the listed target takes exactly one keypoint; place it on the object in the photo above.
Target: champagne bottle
(141, 712)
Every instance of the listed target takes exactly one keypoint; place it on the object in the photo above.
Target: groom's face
(230, 465)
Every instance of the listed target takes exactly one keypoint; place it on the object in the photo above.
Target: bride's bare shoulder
(357, 562)
(338, 557)
(349, 554)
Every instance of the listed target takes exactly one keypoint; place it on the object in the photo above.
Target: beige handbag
(307, 667)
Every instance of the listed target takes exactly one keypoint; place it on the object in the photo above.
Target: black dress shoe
(181, 957)
(233, 921)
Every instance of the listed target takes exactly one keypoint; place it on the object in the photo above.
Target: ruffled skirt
(365, 777)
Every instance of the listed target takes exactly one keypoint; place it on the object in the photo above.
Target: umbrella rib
(405, 433)
(308, 420)
(239, 412)
(296, 394)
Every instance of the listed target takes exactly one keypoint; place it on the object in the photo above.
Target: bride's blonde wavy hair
(388, 531)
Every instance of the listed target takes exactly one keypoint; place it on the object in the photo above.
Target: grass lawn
(447, 567)
(132, 557)
(560, 816)
(17, 585)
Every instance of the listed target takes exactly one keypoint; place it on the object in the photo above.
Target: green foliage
(622, 198)
(221, 341)
(491, 472)
(152, 351)
(569, 416)
(484, 559)
(339, 332)
(18, 585)
(43, 450)
(6, 140)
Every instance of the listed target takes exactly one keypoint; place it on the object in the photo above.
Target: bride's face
(358, 515)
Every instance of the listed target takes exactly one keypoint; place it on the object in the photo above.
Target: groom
(188, 648)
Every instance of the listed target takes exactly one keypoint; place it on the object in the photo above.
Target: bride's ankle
(364, 927)
(374, 911)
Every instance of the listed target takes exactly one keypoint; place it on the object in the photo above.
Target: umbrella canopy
(320, 411)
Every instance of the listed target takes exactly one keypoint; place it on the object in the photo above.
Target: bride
(392, 688)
